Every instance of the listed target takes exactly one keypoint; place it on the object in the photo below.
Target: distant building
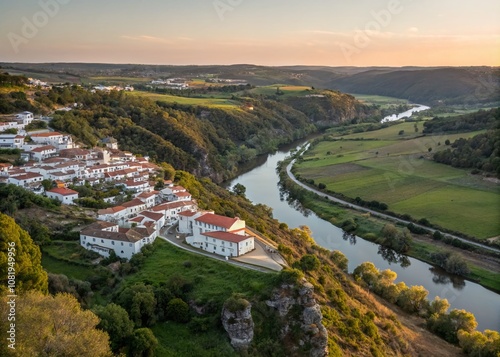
(110, 142)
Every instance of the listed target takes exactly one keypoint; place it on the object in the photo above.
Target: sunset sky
(267, 32)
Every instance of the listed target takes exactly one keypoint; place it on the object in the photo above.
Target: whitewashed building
(218, 234)
(65, 195)
(103, 237)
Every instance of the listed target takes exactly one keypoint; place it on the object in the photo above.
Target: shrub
(178, 310)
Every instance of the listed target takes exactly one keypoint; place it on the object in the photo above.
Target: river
(261, 184)
(407, 114)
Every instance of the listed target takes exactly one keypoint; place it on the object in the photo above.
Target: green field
(205, 102)
(398, 170)
(288, 90)
(115, 80)
(379, 99)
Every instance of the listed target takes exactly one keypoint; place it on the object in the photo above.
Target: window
(130, 244)
(84, 238)
(102, 240)
(122, 251)
(222, 249)
(93, 239)
(122, 245)
(113, 242)
(214, 240)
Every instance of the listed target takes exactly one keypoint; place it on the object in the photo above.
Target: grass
(56, 266)
(213, 279)
(288, 90)
(398, 170)
(379, 99)
(175, 339)
(206, 102)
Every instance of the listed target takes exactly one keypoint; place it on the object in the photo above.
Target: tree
(439, 306)
(116, 322)
(54, 326)
(177, 310)
(309, 262)
(413, 299)
(143, 343)
(447, 142)
(19, 256)
(456, 264)
(239, 189)
(139, 300)
(340, 260)
(367, 272)
(479, 344)
(401, 132)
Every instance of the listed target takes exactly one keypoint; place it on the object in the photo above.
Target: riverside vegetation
(166, 301)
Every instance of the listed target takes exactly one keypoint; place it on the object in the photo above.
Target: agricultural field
(383, 101)
(398, 170)
(206, 102)
(115, 80)
(287, 90)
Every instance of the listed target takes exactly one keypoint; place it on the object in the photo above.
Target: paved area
(259, 259)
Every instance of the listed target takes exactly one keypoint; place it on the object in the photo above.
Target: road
(378, 214)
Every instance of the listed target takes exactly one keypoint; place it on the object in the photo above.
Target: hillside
(206, 139)
(425, 85)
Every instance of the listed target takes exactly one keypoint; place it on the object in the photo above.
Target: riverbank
(485, 270)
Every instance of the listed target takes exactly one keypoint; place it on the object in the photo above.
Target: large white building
(103, 237)
(217, 234)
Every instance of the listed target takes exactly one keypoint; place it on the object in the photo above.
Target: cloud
(413, 29)
(147, 39)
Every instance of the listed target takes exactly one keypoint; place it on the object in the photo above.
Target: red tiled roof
(182, 194)
(226, 236)
(134, 202)
(172, 205)
(43, 148)
(111, 210)
(27, 176)
(151, 215)
(63, 191)
(187, 213)
(46, 135)
(216, 220)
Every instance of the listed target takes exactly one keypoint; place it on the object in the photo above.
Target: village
(139, 213)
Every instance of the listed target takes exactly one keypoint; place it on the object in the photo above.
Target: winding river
(261, 184)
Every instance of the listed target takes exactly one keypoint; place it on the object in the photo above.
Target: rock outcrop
(301, 319)
(238, 323)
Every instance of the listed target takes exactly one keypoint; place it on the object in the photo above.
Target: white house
(25, 179)
(224, 243)
(102, 237)
(219, 234)
(43, 152)
(136, 186)
(156, 219)
(5, 167)
(168, 192)
(113, 214)
(65, 195)
(25, 117)
(12, 141)
(133, 207)
(50, 138)
(171, 210)
(148, 198)
(181, 196)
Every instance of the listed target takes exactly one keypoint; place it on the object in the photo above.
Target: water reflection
(349, 237)
(393, 257)
(439, 276)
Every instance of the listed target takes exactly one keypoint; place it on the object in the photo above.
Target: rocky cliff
(301, 318)
(238, 323)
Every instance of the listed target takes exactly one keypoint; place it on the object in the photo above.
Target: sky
(265, 32)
